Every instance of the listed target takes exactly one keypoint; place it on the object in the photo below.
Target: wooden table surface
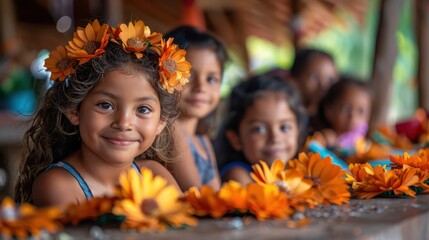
(380, 218)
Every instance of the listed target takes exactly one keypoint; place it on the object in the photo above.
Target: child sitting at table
(344, 113)
(266, 122)
(113, 101)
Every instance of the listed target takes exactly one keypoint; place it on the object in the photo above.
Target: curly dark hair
(52, 137)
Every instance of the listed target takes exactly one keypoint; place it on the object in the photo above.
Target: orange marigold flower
(88, 42)
(174, 69)
(148, 203)
(234, 195)
(263, 174)
(26, 220)
(380, 180)
(358, 172)
(59, 64)
(90, 209)
(206, 202)
(136, 37)
(420, 160)
(366, 151)
(328, 183)
(267, 201)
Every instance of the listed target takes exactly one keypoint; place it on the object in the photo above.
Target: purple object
(348, 139)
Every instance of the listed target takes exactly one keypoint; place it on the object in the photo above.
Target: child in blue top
(266, 122)
(196, 163)
(112, 102)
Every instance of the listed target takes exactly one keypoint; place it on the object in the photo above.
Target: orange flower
(26, 220)
(328, 183)
(90, 209)
(88, 42)
(262, 174)
(267, 201)
(366, 151)
(359, 171)
(59, 64)
(380, 180)
(395, 140)
(234, 195)
(420, 160)
(148, 203)
(206, 202)
(137, 37)
(290, 181)
(174, 69)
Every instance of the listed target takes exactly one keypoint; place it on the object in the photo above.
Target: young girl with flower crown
(266, 121)
(113, 100)
(196, 162)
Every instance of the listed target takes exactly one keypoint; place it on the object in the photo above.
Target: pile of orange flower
(141, 202)
(409, 177)
(278, 190)
(90, 42)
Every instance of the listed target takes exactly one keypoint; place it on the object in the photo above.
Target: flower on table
(26, 220)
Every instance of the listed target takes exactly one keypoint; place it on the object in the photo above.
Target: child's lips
(197, 101)
(119, 141)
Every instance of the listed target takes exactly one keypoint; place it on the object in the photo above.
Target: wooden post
(422, 24)
(7, 26)
(385, 56)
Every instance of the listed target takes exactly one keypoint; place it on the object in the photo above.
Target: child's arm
(56, 188)
(158, 170)
(238, 174)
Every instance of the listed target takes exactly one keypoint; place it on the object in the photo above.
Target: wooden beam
(422, 22)
(384, 60)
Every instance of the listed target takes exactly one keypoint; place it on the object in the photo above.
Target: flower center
(170, 65)
(283, 186)
(149, 206)
(63, 64)
(316, 181)
(91, 46)
(135, 42)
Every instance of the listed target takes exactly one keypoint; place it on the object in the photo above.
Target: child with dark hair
(314, 72)
(196, 164)
(113, 101)
(344, 113)
(266, 122)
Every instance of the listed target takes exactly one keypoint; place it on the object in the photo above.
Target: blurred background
(385, 42)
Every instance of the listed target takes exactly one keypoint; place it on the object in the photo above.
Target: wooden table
(381, 218)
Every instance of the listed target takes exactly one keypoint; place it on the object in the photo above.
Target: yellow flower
(263, 174)
(419, 160)
(328, 183)
(206, 202)
(233, 194)
(90, 209)
(59, 64)
(379, 180)
(137, 37)
(267, 201)
(148, 203)
(26, 220)
(88, 42)
(174, 69)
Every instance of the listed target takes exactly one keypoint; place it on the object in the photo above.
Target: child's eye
(285, 128)
(212, 79)
(143, 110)
(258, 129)
(105, 105)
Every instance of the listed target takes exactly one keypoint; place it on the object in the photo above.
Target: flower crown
(135, 38)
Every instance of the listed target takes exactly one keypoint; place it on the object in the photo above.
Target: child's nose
(274, 135)
(123, 120)
(198, 84)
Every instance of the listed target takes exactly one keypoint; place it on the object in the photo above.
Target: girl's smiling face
(268, 130)
(202, 94)
(119, 118)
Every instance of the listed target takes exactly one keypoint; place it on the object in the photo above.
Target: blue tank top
(205, 166)
(234, 164)
(82, 183)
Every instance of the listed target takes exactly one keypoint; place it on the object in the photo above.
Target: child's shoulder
(237, 172)
(54, 186)
(158, 170)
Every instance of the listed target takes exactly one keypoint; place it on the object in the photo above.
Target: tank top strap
(205, 147)
(69, 168)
